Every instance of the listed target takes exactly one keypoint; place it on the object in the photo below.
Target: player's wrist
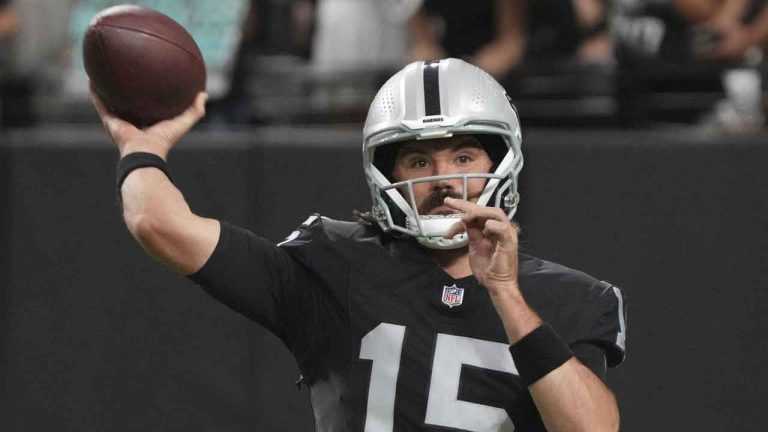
(507, 290)
(538, 353)
(141, 146)
(137, 160)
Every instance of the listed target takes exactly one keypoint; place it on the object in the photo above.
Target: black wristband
(539, 353)
(138, 160)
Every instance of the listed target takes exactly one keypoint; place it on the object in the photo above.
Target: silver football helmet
(439, 99)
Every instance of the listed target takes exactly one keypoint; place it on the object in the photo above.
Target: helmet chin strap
(434, 226)
(442, 243)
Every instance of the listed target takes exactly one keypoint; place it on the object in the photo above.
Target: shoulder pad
(325, 230)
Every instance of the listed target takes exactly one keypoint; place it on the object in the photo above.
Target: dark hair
(365, 217)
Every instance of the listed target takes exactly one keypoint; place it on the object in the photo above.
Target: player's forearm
(150, 205)
(161, 221)
(572, 398)
(518, 318)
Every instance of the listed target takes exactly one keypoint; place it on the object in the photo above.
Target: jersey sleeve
(262, 282)
(593, 357)
(609, 329)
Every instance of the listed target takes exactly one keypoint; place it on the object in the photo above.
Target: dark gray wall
(95, 336)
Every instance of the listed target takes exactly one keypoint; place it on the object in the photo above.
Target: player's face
(459, 154)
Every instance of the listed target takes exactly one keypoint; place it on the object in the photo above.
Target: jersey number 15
(384, 345)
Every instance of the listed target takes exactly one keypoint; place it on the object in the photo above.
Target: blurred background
(646, 164)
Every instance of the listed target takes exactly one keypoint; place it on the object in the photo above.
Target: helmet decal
(431, 77)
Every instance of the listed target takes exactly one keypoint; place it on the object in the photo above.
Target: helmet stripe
(432, 88)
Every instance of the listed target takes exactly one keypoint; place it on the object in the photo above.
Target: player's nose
(451, 184)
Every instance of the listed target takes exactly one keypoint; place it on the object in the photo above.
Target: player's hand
(158, 138)
(493, 244)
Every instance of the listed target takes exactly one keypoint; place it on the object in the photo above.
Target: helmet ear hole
(384, 159)
(495, 146)
(398, 217)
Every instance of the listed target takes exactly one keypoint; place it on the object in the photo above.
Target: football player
(423, 315)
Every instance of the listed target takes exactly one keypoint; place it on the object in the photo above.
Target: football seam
(100, 41)
(156, 36)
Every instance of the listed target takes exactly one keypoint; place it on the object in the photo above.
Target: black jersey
(386, 340)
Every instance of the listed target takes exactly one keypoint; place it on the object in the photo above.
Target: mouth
(441, 210)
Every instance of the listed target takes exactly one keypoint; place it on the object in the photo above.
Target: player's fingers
(465, 208)
(459, 204)
(176, 127)
(115, 126)
(455, 229)
(195, 112)
(100, 107)
(515, 227)
(479, 215)
(500, 231)
(476, 210)
(107, 118)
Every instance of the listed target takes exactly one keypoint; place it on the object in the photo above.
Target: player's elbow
(145, 228)
(155, 231)
(166, 238)
(150, 223)
(155, 235)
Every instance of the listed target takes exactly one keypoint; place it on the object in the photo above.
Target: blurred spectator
(9, 22)
(692, 29)
(735, 32)
(275, 45)
(718, 43)
(490, 33)
(9, 25)
(570, 30)
(497, 35)
(732, 29)
(277, 27)
(354, 34)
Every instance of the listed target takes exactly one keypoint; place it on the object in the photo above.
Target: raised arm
(568, 395)
(155, 211)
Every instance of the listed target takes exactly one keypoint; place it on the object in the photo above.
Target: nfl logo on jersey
(452, 295)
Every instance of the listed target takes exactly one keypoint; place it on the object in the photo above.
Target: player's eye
(418, 163)
(464, 159)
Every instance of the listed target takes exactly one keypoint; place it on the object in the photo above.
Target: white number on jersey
(384, 346)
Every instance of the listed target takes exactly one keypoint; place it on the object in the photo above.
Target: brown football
(144, 66)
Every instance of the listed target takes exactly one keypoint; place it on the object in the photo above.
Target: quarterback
(423, 314)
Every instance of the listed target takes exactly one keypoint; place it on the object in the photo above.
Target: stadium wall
(96, 336)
